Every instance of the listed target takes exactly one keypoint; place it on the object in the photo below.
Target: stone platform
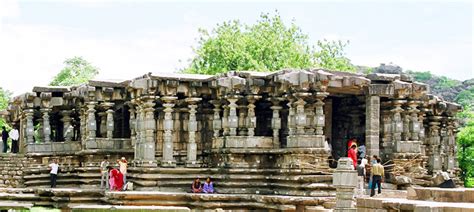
(421, 199)
(99, 200)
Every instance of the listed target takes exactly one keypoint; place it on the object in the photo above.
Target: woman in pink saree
(115, 180)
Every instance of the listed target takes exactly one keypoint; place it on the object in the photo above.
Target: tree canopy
(267, 45)
(76, 72)
(4, 98)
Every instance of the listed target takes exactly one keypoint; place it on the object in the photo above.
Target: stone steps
(234, 181)
(224, 201)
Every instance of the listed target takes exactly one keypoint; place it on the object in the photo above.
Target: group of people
(14, 135)
(372, 172)
(113, 178)
(207, 187)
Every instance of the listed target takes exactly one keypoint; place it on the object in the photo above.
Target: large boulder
(402, 180)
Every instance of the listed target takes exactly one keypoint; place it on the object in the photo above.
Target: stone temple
(262, 136)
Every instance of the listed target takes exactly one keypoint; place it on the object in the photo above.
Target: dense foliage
(267, 45)
(466, 153)
(76, 72)
(4, 98)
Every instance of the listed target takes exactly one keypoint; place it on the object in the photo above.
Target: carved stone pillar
(276, 122)
(148, 144)
(414, 121)
(139, 132)
(242, 122)
(132, 124)
(110, 123)
(372, 125)
(451, 155)
(434, 143)
(397, 122)
(310, 118)
(233, 119)
(46, 125)
(30, 130)
(291, 117)
(83, 123)
(216, 119)
(406, 134)
(191, 160)
(40, 130)
(225, 120)
(168, 160)
(251, 118)
(386, 139)
(68, 130)
(300, 116)
(319, 118)
(103, 124)
(91, 123)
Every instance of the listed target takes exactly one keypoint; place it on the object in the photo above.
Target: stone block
(248, 142)
(312, 141)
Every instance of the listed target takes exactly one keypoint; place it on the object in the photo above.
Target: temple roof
(51, 89)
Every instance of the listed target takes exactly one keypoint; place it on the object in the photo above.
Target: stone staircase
(235, 181)
(12, 167)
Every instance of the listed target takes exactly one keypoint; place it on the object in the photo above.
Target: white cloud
(32, 55)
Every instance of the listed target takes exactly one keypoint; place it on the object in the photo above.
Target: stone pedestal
(310, 141)
(345, 181)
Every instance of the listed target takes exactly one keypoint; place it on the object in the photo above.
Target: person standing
(104, 173)
(123, 168)
(352, 154)
(377, 173)
(14, 135)
(361, 172)
(54, 167)
(5, 139)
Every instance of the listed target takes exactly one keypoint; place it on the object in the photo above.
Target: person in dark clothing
(4, 139)
(196, 187)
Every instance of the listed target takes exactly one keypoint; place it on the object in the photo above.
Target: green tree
(267, 45)
(466, 153)
(4, 98)
(76, 72)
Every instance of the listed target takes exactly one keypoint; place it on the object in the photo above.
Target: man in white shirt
(53, 173)
(104, 171)
(14, 135)
(123, 168)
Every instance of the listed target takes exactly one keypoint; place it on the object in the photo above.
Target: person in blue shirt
(208, 186)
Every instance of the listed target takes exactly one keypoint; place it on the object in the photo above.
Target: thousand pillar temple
(277, 131)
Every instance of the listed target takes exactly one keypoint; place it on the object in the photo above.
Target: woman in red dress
(116, 179)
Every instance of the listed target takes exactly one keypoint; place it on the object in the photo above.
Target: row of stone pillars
(45, 126)
(143, 131)
(89, 125)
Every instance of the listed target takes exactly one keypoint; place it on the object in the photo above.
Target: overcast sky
(126, 40)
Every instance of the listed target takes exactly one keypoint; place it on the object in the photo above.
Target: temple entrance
(345, 120)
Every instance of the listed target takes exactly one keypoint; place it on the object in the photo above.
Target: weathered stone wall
(12, 170)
